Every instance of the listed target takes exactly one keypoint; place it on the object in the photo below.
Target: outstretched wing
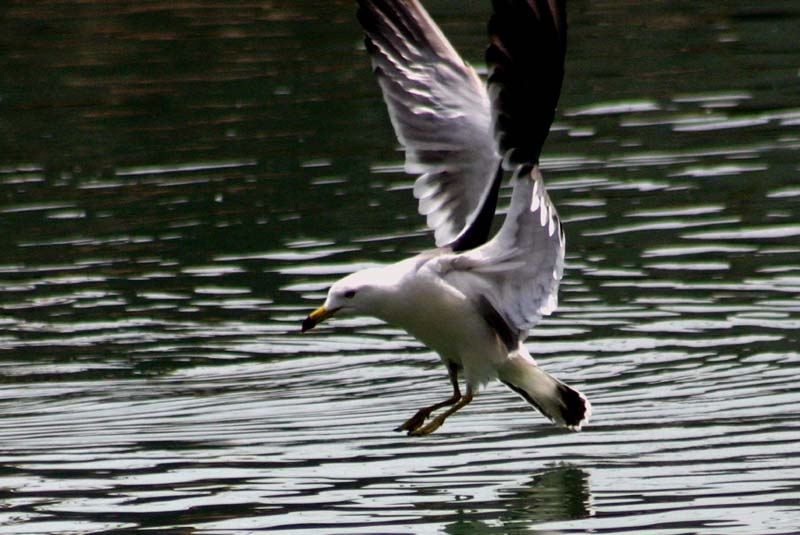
(441, 115)
(515, 275)
(514, 278)
(528, 42)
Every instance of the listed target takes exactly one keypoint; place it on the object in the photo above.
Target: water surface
(179, 184)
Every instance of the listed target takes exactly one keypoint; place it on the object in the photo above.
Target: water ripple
(182, 183)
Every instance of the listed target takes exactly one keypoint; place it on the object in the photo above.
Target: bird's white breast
(443, 319)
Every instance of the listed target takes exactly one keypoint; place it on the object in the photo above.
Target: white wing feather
(440, 112)
(519, 270)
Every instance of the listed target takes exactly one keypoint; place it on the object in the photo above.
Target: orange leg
(434, 424)
(416, 421)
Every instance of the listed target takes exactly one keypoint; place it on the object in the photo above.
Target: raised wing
(514, 278)
(441, 115)
(528, 42)
(515, 275)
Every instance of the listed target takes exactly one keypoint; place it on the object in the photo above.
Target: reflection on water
(558, 493)
(179, 184)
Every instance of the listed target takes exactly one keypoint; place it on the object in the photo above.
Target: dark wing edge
(476, 233)
(528, 40)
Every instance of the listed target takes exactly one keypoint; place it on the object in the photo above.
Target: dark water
(180, 182)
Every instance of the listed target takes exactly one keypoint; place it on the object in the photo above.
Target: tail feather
(560, 403)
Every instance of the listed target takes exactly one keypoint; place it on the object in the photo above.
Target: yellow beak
(319, 315)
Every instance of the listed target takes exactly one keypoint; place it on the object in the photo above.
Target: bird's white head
(361, 292)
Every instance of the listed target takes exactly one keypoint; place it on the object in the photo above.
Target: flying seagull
(471, 300)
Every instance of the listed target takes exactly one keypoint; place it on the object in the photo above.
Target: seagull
(471, 299)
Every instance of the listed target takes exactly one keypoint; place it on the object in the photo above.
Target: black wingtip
(526, 58)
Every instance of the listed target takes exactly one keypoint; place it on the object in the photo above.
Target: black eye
(350, 294)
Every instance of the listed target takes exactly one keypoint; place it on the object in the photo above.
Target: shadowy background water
(180, 182)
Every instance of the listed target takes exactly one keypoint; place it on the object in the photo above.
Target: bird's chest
(443, 320)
